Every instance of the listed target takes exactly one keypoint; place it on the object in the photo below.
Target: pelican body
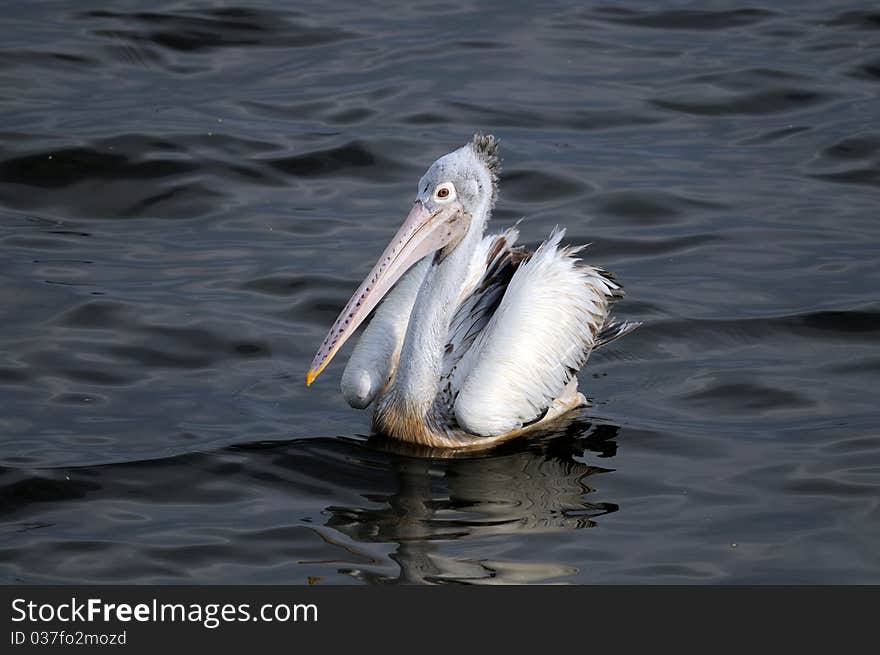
(477, 340)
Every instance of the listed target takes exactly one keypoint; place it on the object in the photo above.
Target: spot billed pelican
(479, 339)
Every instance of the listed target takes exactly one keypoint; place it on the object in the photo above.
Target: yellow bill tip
(310, 376)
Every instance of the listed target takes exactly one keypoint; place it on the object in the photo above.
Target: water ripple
(189, 193)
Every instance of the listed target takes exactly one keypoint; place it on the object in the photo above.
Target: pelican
(478, 340)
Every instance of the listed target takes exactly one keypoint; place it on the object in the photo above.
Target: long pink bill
(422, 233)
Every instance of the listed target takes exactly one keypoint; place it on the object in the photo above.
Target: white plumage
(537, 339)
(482, 339)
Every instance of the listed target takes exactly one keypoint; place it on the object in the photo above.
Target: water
(188, 195)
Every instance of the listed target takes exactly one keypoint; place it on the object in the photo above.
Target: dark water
(189, 192)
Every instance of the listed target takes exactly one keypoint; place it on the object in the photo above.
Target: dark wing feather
(613, 330)
(477, 308)
(502, 259)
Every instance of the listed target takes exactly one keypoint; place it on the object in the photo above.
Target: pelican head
(468, 175)
(454, 196)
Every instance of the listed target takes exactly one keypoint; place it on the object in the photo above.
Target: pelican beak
(422, 233)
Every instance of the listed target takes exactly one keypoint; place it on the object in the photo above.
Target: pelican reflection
(437, 506)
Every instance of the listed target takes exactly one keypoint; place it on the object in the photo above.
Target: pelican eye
(444, 192)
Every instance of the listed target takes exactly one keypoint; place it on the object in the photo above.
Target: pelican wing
(492, 268)
(537, 338)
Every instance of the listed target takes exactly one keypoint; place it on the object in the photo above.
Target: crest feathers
(487, 147)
